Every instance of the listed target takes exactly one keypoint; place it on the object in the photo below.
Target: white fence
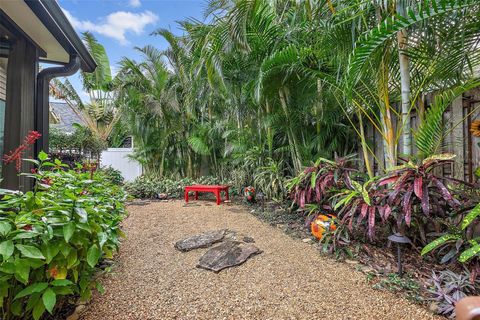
(118, 159)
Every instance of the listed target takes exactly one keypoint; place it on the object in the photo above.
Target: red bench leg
(226, 195)
(196, 195)
(217, 194)
(186, 196)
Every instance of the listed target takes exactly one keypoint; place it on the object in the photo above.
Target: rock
(80, 308)
(139, 202)
(248, 239)
(280, 211)
(162, 196)
(227, 254)
(73, 316)
(78, 311)
(234, 236)
(202, 240)
(433, 307)
(351, 261)
(307, 240)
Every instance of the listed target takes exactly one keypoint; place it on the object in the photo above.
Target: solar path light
(399, 239)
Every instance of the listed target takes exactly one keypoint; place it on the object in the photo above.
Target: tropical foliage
(99, 114)
(292, 81)
(52, 238)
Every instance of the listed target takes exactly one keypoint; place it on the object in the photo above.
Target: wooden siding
(457, 120)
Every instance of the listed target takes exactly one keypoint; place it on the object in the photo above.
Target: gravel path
(289, 280)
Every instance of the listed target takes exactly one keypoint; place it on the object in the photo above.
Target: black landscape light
(399, 239)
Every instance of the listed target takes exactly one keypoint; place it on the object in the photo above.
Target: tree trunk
(363, 139)
(387, 119)
(296, 156)
(404, 63)
(269, 132)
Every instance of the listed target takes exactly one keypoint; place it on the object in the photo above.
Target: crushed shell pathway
(289, 280)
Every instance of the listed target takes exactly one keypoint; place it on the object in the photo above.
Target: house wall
(118, 159)
(22, 71)
(3, 82)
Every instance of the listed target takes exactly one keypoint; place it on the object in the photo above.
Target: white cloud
(116, 24)
(134, 3)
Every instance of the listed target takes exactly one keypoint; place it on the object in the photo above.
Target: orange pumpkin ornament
(321, 224)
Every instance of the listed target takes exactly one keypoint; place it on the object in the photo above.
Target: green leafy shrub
(461, 242)
(147, 187)
(52, 238)
(113, 175)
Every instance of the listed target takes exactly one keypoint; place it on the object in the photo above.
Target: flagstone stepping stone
(202, 240)
(227, 254)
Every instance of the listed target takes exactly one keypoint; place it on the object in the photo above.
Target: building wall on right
(458, 139)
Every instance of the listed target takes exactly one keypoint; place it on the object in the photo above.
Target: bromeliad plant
(52, 238)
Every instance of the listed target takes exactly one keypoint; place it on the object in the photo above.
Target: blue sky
(121, 25)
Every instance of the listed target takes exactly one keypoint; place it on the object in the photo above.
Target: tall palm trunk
(318, 106)
(269, 131)
(365, 152)
(404, 63)
(294, 145)
(386, 116)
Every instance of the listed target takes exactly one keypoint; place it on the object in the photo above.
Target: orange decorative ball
(321, 224)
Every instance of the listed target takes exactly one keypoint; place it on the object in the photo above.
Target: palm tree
(100, 113)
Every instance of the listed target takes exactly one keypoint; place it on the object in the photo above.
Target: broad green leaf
(7, 267)
(42, 156)
(22, 270)
(72, 258)
(25, 235)
(5, 228)
(93, 255)
(68, 230)
(49, 300)
(313, 180)
(100, 287)
(38, 310)
(36, 287)
(469, 253)
(30, 251)
(6, 249)
(62, 291)
(439, 157)
(438, 242)
(365, 196)
(345, 200)
(102, 238)
(60, 283)
(82, 213)
(51, 250)
(472, 215)
(16, 308)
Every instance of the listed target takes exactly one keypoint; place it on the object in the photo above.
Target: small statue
(249, 194)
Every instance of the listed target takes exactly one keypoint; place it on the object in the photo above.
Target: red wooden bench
(216, 190)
